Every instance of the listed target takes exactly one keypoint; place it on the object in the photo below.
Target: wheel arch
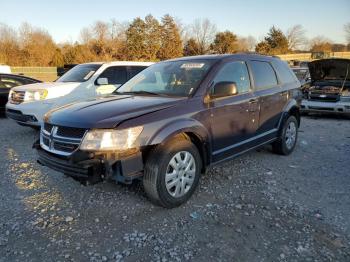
(189, 129)
(292, 108)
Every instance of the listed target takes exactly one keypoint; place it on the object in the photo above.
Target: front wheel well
(194, 138)
(201, 146)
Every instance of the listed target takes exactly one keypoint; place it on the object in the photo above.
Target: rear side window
(264, 75)
(234, 72)
(284, 73)
(134, 70)
(116, 75)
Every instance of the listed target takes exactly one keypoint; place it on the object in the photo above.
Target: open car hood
(329, 69)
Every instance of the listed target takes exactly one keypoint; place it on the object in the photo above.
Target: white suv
(28, 104)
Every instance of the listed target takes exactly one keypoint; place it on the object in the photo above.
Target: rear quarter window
(284, 73)
(264, 75)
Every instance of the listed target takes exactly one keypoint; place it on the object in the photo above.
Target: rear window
(264, 75)
(284, 73)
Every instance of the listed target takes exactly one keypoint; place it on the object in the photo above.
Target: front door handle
(253, 101)
(284, 93)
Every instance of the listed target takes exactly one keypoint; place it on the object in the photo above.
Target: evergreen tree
(224, 42)
(274, 43)
(171, 43)
(191, 48)
(136, 39)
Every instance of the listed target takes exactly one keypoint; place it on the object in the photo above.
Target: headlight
(35, 95)
(10, 94)
(111, 139)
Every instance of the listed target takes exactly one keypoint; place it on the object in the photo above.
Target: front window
(79, 73)
(173, 78)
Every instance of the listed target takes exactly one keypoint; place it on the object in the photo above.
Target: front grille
(17, 97)
(48, 127)
(61, 140)
(323, 97)
(71, 132)
(321, 108)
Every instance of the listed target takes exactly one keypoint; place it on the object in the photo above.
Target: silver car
(329, 90)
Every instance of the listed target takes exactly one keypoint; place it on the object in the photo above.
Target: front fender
(180, 126)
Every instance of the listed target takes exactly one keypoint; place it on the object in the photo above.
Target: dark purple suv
(173, 120)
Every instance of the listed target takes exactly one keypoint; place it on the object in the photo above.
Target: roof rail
(256, 53)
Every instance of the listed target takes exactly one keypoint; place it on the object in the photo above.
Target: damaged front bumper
(339, 107)
(95, 166)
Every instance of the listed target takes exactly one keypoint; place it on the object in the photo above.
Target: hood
(108, 112)
(329, 69)
(48, 86)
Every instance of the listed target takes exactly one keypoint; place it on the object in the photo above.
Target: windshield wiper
(141, 92)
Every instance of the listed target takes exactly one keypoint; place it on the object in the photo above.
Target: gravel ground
(258, 207)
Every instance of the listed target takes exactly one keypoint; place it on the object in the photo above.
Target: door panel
(272, 102)
(271, 97)
(234, 118)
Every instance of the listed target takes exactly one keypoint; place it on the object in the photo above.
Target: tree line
(149, 39)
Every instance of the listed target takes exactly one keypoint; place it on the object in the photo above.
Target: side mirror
(102, 81)
(222, 89)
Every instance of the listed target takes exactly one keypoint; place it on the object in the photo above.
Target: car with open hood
(329, 89)
(174, 120)
(28, 104)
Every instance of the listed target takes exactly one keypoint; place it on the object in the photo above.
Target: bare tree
(347, 32)
(101, 30)
(203, 31)
(296, 37)
(320, 44)
(85, 35)
(118, 29)
(246, 43)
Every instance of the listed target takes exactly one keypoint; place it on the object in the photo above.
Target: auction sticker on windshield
(192, 65)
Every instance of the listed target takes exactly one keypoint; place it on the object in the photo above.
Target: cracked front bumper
(94, 165)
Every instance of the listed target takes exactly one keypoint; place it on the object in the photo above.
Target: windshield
(173, 78)
(79, 73)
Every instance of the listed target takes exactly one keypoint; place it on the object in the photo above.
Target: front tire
(172, 172)
(288, 139)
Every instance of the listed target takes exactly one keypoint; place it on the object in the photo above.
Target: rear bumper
(325, 107)
(90, 166)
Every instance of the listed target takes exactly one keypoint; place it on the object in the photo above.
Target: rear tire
(288, 139)
(172, 172)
